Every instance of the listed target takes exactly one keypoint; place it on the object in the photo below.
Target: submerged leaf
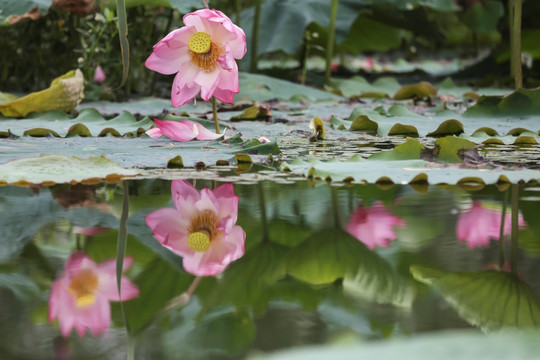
(491, 300)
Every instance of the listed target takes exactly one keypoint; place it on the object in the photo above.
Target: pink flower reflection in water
(80, 297)
(202, 228)
(479, 224)
(374, 226)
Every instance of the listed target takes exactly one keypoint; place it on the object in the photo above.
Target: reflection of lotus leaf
(491, 300)
(332, 254)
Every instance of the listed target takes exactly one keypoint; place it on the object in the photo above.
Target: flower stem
(502, 257)
(214, 111)
(335, 207)
(331, 39)
(205, 2)
(262, 208)
(516, 44)
(255, 38)
(515, 226)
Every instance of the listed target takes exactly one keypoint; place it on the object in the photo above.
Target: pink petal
(170, 229)
(182, 95)
(227, 61)
(185, 190)
(171, 52)
(175, 130)
(208, 82)
(225, 96)
(207, 202)
(203, 133)
(154, 133)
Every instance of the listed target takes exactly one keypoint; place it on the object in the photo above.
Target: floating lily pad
(52, 169)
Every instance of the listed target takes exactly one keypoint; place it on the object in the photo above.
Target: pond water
(323, 264)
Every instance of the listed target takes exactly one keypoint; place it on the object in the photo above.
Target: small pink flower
(202, 54)
(202, 229)
(80, 297)
(183, 130)
(99, 74)
(478, 225)
(374, 226)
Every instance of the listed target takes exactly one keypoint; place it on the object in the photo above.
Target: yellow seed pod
(199, 241)
(199, 43)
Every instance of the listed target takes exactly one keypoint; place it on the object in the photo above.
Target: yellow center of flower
(82, 288)
(199, 241)
(202, 231)
(199, 43)
(203, 52)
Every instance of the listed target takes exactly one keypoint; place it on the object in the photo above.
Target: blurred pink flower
(202, 229)
(89, 231)
(374, 226)
(202, 54)
(183, 130)
(99, 74)
(478, 225)
(80, 297)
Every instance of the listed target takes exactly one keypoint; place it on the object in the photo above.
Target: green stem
(255, 37)
(502, 257)
(511, 30)
(335, 207)
(262, 209)
(331, 40)
(515, 228)
(516, 44)
(214, 111)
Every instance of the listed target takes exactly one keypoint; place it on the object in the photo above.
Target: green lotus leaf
(409, 150)
(403, 130)
(420, 90)
(491, 300)
(448, 148)
(448, 127)
(358, 169)
(61, 169)
(87, 123)
(519, 103)
(64, 94)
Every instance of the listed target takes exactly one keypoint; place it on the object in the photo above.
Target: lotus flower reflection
(202, 227)
(479, 224)
(80, 297)
(374, 226)
(202, 54)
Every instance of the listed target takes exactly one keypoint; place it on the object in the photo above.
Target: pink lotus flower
(374, 226)
(99, 74)
(202, 227)
(183, 130)
(479, 224)
(202, 55)
(80, 297)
